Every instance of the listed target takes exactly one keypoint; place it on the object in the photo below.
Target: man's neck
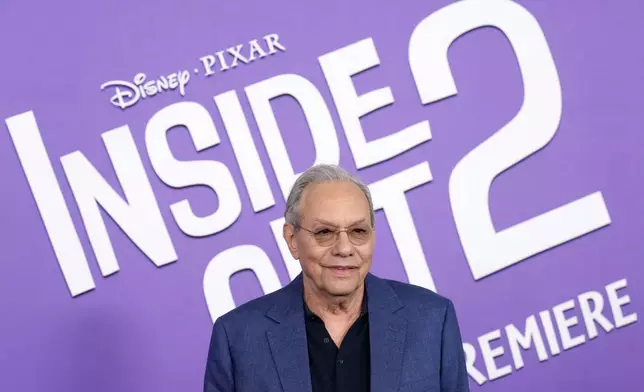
(333, 307)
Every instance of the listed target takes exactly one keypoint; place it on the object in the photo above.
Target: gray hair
(316, 174)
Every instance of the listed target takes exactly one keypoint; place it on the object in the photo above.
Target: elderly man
(336, 327)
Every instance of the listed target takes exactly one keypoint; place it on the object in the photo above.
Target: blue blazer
(415, 342)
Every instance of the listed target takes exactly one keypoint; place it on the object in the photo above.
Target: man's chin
(342, 289)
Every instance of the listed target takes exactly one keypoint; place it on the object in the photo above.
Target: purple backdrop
(147, 328)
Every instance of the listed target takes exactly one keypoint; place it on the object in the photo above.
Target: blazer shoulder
(419, 301)
(253, 309)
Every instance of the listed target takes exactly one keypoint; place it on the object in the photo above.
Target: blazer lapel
(287, 339)
(387, 332)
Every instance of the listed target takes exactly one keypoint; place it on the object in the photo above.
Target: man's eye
(323, 232)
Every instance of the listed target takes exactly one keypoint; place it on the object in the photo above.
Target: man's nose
(343, 247)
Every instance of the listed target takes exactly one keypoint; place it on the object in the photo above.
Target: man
(336, 327)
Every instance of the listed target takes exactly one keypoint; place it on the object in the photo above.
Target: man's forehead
(321, 201)
(354, 222)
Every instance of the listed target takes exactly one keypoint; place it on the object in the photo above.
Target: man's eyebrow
(325, 222)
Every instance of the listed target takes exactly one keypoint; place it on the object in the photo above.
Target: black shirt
(338, 370)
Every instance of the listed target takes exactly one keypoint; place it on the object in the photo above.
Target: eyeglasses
(358, 235)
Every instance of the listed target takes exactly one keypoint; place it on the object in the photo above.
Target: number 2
(487, 250)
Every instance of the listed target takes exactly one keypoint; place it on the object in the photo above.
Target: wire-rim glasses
(358, 235)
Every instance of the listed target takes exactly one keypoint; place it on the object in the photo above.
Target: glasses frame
(337, 235)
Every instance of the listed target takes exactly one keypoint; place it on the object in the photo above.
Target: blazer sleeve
(219, 369)
(454, 376)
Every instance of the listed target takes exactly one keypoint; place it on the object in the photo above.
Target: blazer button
(326, 340)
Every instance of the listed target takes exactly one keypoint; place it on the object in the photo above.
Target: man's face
(338, 269)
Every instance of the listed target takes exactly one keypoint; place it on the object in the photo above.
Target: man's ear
(288, 231)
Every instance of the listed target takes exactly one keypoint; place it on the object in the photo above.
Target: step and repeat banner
(147, 147)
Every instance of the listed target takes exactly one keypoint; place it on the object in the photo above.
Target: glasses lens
(325, 237)
(359, 235)
(328, 237)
